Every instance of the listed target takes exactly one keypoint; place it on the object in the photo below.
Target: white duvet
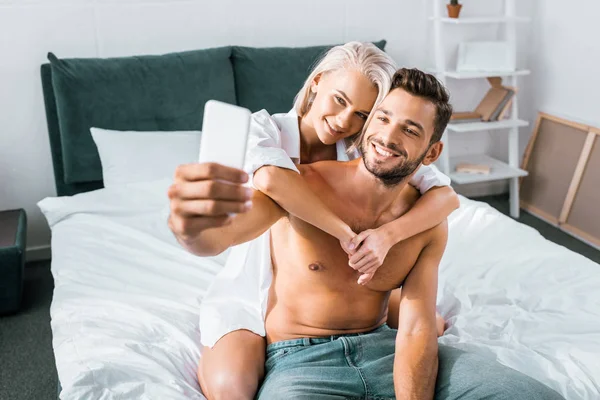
(125, 306)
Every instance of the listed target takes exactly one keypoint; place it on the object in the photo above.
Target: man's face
(397, 139)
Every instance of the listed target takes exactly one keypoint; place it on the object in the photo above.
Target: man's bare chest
(308, 254)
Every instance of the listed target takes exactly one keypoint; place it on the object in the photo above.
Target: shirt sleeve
(265, 145)
(427, 177)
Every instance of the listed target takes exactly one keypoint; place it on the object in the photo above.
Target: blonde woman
(332, 108)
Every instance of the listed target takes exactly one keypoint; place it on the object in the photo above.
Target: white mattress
(125, 306)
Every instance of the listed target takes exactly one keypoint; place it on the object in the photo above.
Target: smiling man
(326, 335)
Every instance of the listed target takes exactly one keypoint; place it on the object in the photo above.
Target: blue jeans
(360, 366)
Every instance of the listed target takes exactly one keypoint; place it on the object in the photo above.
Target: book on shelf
(466, 121)
(493, 107)
(470, 168)
(496, 114)
(465, 115)
(491, 102)
(504, 113)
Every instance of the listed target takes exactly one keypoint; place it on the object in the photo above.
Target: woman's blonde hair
(365, 58)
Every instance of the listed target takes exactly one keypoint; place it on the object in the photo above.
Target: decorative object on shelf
(564, 192)
(493, 107)
(453, 8)
(485, 56)
(469, 168)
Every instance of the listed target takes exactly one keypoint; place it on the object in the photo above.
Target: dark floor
(27, 368)
(27, 363)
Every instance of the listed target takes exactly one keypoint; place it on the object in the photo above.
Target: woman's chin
(326, 138)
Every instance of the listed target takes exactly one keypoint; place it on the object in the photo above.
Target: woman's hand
(371, 247)
(347, 241)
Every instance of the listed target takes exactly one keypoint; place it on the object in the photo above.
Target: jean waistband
(308, 341)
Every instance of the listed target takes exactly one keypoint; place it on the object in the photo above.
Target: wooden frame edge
(576, 125)
(539, 213)
(529, 147)
(583, 235)
(584, 157)
(561, 221)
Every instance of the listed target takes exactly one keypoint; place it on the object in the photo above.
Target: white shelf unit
(482, 74)
(486, 126)
(500, 170)
(481, 20)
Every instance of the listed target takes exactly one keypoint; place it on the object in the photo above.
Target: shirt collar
(290, 134)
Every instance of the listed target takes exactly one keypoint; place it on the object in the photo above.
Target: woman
(334, 104)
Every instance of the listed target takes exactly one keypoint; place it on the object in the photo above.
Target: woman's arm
(430, 210)
(289, 189)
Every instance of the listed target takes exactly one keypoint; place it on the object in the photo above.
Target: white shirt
(237, 298)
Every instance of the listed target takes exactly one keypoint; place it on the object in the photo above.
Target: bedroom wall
(105, 28)
(564, 59)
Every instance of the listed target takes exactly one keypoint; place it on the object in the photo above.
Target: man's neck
(371, 193)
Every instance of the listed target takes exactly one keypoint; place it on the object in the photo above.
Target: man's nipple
(315, 267)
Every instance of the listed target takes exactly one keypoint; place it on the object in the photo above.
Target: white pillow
(133, 156)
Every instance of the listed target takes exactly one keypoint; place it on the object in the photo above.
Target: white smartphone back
(224, 134)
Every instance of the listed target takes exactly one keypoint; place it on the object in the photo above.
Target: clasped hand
(367, 251)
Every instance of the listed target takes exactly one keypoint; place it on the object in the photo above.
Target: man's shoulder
(331, 173)
(325, 168)
(319, 169)
(432, 238)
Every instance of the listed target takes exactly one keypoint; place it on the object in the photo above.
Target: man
(326, 335)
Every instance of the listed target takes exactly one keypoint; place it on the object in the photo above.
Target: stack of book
(493, 107)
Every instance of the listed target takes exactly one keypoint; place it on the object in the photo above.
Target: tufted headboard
(145, 93)
(62, 188)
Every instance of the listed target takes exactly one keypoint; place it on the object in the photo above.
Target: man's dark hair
(424, 85)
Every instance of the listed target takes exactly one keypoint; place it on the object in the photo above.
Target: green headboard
(145, 93)
(158, 93)
(62, 188)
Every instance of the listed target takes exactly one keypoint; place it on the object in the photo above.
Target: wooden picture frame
(563, 185)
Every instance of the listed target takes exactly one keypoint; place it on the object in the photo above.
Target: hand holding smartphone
(205, 195)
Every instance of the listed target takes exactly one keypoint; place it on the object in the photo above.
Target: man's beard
(395, 175)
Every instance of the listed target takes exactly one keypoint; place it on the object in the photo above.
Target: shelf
(481, 74)
(499, 170)
(485, 126)
(481, 20)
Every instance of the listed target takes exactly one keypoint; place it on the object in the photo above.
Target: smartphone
(224, 134)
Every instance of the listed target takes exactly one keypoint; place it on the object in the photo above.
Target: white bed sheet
(125, 306)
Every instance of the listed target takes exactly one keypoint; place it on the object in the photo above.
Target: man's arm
(416, 359)
(202, 199)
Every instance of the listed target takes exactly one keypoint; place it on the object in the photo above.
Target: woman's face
(342, 103)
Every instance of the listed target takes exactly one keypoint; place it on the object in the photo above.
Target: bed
(125, 306)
